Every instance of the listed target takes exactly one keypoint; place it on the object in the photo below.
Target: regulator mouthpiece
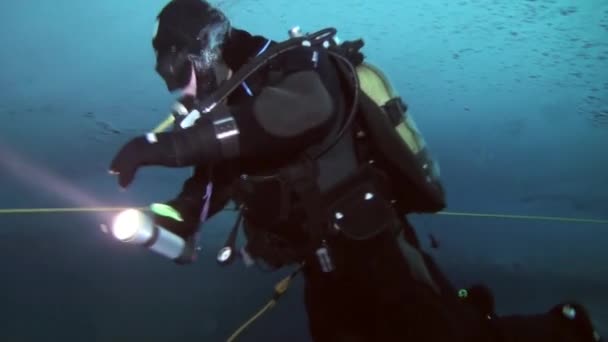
(134, 227)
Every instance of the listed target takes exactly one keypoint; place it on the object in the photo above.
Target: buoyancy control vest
(375, 167)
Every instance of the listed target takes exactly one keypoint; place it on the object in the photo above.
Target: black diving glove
(137, 152)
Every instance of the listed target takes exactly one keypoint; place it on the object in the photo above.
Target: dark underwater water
(512, 97)
(72, 283)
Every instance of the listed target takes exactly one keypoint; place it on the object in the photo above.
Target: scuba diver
(324, 163)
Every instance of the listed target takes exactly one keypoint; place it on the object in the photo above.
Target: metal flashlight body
(132, 226)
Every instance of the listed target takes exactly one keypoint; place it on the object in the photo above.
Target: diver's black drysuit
(383, 287)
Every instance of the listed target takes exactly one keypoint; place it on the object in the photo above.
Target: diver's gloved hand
(350, 49)
(137, 152)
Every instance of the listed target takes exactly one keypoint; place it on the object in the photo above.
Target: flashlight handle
(172, 246)
(189, 253)
(165, 243)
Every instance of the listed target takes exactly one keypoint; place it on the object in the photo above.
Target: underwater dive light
(134, 227)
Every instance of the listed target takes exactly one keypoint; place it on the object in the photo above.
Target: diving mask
(178, 54)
